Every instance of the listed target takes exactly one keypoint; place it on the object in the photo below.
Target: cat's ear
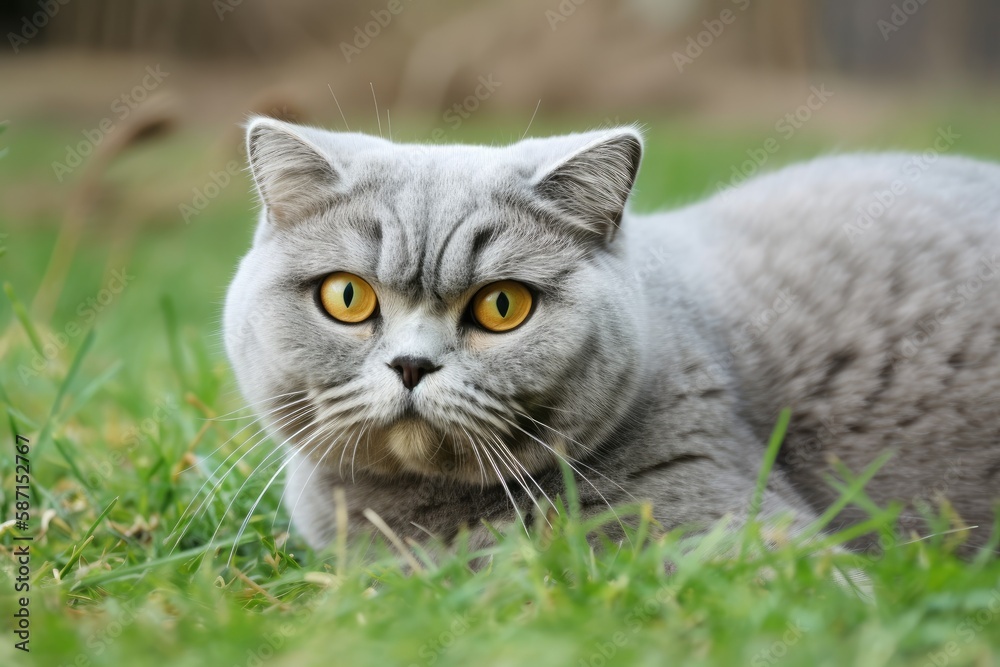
(292, 176)
(590, 186)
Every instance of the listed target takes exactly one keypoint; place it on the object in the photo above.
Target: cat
(434, 328)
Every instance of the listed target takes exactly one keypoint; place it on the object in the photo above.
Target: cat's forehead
(432, 228)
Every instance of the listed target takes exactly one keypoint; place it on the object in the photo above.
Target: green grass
(123, 438)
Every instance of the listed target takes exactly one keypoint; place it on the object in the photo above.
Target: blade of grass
(848, 534)
(770, 456)
(855, 486)
(85, 394)
(989, 552)
(74, 368)
(78, 549)
(572, 493)
(173, 340)
(13, 413)
(136, 571)
(97, 521)
(64, 450)
(21, 313)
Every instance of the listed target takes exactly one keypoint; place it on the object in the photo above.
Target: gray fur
(661, 347)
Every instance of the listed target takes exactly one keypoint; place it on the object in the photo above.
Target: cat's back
(863, 291)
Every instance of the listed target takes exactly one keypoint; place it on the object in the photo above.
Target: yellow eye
(501, 306)
(347, 298)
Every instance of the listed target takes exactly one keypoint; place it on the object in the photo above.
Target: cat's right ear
(292, 176)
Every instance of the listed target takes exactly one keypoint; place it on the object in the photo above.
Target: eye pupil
(503, 304)
(349, 294)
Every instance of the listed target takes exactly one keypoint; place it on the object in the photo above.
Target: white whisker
(338, 107)
(377, 116)
(518, 478)
(532, 120)
(517, 462)
(312, 441)
(503, 483)
(330, 447)
(258, 419)
(479, 460)
(225, 416)
(575, 470)
(575, 460)
(277, 451)
(354, 451)
(218, 484)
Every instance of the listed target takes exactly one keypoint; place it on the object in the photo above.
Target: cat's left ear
(591, 185)
(292, 175)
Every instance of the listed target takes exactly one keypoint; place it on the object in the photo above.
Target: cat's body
(657, 356)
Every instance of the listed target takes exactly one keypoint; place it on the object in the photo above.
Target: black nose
(412, 369)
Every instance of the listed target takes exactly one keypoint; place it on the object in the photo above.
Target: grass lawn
(133, 421)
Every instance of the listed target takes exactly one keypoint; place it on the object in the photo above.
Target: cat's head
(439, 310)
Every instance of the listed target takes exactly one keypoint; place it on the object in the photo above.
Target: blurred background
(123, 148)
(723, 66)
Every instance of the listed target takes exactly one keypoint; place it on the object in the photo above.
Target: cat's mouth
(434, 437)
(409, 412)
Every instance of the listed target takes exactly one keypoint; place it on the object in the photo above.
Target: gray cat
(433, 328)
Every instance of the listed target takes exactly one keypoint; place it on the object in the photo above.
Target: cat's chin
(419, 447)
(412, 439)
